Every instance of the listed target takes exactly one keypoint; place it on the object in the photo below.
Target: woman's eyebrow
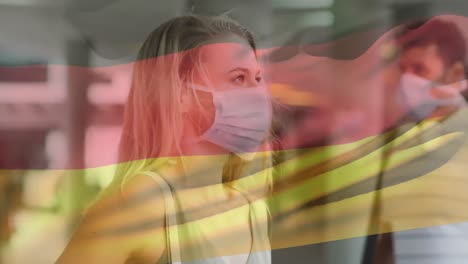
(244, 70)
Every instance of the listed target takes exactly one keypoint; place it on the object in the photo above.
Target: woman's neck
(201, 170)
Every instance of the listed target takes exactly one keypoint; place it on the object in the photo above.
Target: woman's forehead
(228, 55)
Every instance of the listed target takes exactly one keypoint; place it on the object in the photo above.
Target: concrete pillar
(75, 122)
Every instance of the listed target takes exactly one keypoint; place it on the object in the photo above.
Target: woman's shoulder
(129, 217)
(130, 208)
(139, 192)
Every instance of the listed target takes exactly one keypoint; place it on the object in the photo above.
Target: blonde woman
(197, 115)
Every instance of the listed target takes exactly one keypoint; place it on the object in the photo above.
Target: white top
(259, 233)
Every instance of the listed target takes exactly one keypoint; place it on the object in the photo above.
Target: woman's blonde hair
(152, 127)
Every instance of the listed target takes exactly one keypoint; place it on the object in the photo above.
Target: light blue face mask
(416, 95)
(242, 119)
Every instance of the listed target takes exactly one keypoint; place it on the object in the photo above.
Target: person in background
(431, 62)
(431, 65)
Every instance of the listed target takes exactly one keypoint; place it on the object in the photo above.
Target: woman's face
(231, 64)
(228, 65)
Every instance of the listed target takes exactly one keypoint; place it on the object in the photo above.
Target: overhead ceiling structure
(33, 3)
(112, 28)
(117, 28)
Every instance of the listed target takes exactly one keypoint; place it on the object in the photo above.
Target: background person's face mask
(416, 95)
(242, 119)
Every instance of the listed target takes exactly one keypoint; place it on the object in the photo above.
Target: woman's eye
(240, 79)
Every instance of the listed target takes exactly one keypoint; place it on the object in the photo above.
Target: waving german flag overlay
(348, 161)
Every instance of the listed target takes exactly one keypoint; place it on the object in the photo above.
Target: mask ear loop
(186, 113)
(186, 103)
(199, 87)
